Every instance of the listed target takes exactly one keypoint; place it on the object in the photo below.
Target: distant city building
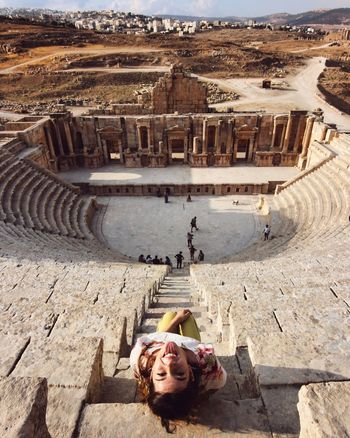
(110, 21)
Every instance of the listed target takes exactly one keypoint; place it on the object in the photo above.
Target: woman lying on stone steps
(174, 368)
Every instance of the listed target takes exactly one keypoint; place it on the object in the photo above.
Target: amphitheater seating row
(314, 208)
(34, 198)
(14, 146)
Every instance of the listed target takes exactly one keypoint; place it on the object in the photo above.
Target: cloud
(148, 7)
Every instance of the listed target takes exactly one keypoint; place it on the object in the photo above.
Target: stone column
(307, 136)
(59, 139)
(151, 133)
(149, 136)
(139, 138)
(218, 138)
(251, 147)
(235, 149)
(229, 138)
(170, 149)
(50, 143)
(103, 146)
(186, 149)
(287, 136)
(297, 140)
(121, 150)
(205, 137)
(274, 132)
(69, 137)
(195, 146)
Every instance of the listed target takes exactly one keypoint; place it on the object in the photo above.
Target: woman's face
(171, 371)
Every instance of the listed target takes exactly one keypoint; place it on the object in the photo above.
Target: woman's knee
(165, 321)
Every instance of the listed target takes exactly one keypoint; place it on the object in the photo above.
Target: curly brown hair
(169, 406)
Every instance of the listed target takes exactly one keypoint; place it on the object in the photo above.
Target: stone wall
(179, 92)
(177, 189)
(198, 140)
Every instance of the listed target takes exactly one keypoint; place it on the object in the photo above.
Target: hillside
(339, 16)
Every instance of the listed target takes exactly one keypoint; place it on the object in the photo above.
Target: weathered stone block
(76, 363)
(63, 410)
(292, 359)
(101, 323)
(324, 410)
(23, 404)
(11, 348)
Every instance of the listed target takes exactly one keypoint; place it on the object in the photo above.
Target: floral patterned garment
(213, 375)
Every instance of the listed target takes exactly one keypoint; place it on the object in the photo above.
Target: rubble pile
(43, 107)
(217, 95)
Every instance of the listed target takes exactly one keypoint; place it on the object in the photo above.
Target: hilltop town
(129, 23)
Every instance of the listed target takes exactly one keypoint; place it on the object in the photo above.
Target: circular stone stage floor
(146, 225)
(239, 174)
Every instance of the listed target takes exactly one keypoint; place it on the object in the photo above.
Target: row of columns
(54, 124)
(230, 147)
(288, 132)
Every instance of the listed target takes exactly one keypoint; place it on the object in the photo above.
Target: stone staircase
(175, 294)
(236, 410)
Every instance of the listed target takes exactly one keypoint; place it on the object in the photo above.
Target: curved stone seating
(340, 195)
(35, 198)
(314, 205)
(24, 200)
(319, 196)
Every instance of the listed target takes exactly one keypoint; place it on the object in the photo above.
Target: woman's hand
(182, 315)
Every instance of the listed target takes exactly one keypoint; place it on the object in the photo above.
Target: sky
(222, 8)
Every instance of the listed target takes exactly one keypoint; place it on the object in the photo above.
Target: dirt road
(323, 46)
(143, 69)
(301, 94)
(68, 51)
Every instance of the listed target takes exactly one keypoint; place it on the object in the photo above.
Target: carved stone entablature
(109, 132)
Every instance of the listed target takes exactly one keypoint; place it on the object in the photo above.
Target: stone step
(170, 302)
(120, 388)
(158, 312)
(175, 289)
(238, 419)
(175, 286)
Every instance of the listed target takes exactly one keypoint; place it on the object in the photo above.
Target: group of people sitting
(179, 257)
(155, 260)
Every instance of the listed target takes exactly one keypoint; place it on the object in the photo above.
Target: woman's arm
(181, 316)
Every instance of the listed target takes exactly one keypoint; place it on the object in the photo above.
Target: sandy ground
(239, 174)
(82, 51)
(143, 69)
(302, 94)
(224, 229)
